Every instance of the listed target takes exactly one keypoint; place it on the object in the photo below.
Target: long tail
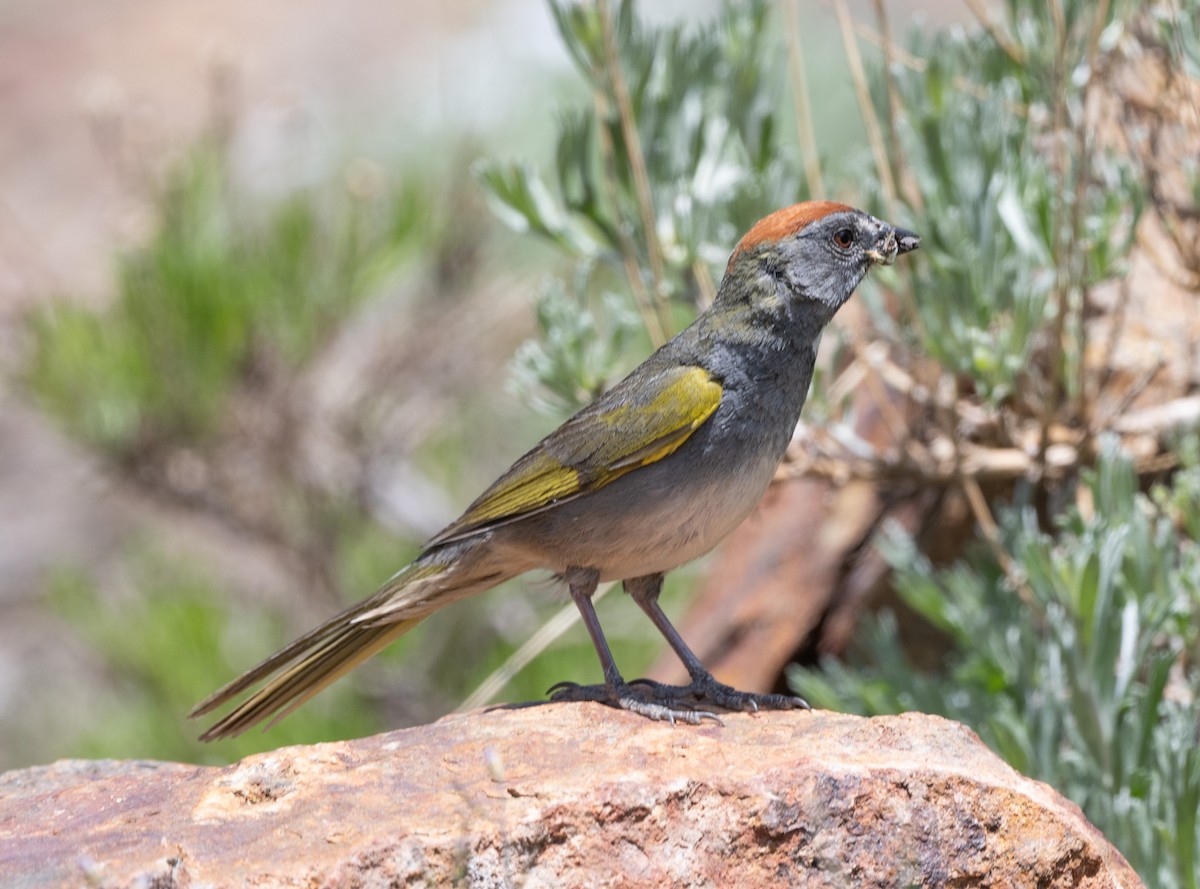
(337, 646)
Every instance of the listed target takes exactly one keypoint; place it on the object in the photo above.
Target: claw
(706, 689)
(649, 683)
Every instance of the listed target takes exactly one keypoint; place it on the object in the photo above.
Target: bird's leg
(615, 691)
(703, 688)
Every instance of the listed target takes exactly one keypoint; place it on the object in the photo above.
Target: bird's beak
(894, 242)
(907, 241)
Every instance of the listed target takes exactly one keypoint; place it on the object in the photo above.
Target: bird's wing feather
(629, 427)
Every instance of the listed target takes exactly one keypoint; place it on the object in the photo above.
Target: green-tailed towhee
(651, 475)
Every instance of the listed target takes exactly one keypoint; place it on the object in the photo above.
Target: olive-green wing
(634, 424)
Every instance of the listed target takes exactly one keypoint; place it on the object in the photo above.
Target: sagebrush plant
(1073, 634)
(569, 361)
(187, 384)
(1083, 674)
(1021, 204)
(223, 291)
(1071, 627)
(680, 150)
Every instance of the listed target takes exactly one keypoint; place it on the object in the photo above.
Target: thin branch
(870, 119)
(991, 533)
(999, 34)
(949, 466)
(1083, 171)
(984, 464)
(1128, 397)
(1116, 332)
(1158, 419)
(637, 165)
(1060, 294)
(702, 275)
(637, 285)
(1180, 277)
(893, 103)
(800, 96)
(905, 180)
(916, 63)
(898, 428)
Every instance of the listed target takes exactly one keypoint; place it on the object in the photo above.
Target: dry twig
(871, 120)
(804, 124)
(637, 165)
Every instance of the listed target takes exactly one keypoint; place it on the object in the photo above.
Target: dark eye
(844, 238)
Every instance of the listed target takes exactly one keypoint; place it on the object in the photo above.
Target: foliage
(219, 294)
(1019, 207)
(185, 382)
(568, 362)
(704, 103)
(649, 221)
(1080, 670)
(164, 647)
(1072, 645)
(1075, 664)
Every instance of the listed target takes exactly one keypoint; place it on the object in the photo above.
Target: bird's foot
(706, 690)
(644, 700)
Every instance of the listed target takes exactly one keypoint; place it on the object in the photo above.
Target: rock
(564, 795)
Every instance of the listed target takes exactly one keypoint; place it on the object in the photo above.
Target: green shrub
(1079, 669)
(222, 291)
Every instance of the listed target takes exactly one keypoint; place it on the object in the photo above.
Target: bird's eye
(843, 238)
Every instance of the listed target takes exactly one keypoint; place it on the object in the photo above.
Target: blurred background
(284, 286)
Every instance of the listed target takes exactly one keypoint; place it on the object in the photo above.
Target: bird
(651, 475)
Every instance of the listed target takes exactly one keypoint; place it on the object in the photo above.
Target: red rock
(564, 795)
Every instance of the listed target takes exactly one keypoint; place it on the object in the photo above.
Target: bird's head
(820, 250)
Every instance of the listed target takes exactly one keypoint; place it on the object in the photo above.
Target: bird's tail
(325, 654)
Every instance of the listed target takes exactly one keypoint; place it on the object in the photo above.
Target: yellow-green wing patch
(632, 425)
(537, 480)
